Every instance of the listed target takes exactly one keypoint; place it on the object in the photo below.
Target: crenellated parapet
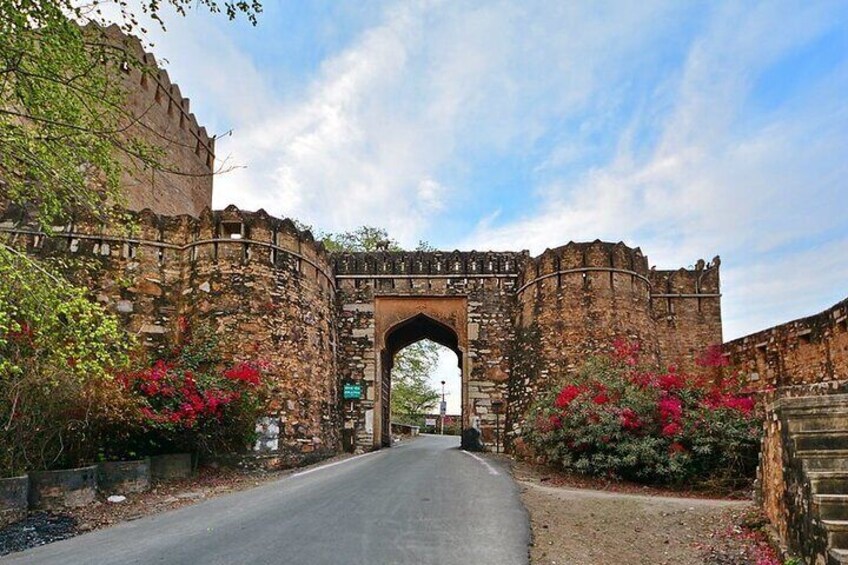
(230, 234)
(176, 175)
(701, 281)
(143, 72)
(427, 263)
(585, 259)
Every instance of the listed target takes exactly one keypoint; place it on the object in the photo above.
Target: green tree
(63, 137)
(363, 238)
(412, 394)
(57, 353)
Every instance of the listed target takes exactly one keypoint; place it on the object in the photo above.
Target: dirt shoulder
(586, 526)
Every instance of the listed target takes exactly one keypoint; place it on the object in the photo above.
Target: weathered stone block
(66, 488)
(13, 499)
(121, 477)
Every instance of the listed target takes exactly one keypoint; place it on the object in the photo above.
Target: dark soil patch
(38, 528)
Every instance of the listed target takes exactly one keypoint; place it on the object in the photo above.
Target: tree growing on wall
(412, 394)
(63, 121)
(62, 135)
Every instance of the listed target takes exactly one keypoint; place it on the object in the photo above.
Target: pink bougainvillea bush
(192, 400)
(620, 419)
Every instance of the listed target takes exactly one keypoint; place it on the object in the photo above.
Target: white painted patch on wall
(268, 434)
(369, 421)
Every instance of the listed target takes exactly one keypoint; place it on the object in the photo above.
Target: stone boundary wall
(807, 351)
(801, 359)
(272, 293)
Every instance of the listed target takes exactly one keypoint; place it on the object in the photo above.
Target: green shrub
(58, 352)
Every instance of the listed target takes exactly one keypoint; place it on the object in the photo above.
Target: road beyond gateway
(418, 503)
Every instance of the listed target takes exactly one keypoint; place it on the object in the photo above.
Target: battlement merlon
(702, 280)
(430, 263)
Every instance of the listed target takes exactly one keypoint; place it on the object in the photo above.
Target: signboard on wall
(352, 391)
(429, 421)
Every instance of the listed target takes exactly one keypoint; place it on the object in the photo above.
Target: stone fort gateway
(321, 321)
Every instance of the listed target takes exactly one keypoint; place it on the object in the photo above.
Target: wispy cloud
(723, 178)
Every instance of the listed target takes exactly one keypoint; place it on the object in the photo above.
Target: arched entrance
(401, 321)
(403, 334)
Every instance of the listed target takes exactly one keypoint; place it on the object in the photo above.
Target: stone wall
(808, 351)
(516, 323)
(794, 362)
(162, 119)
(686, 308)
(487, 282)
(263, 286)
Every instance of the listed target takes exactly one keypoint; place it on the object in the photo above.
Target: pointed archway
(403, 334)
(402, 321)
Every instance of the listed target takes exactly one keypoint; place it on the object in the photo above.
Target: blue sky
(691, 129)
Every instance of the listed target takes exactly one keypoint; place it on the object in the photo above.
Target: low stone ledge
(171, 466)
(65, 488)
(13, 499)
(120, 477)
(280, 460)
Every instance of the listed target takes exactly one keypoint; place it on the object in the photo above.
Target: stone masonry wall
(272, 294)
(267, 289)
(802, 358)
(488, 282)
(807, 351)
(263, 286)
(686, 308)
(162, 119)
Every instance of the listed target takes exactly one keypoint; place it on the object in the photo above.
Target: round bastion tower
(574, 301)
(267, 289)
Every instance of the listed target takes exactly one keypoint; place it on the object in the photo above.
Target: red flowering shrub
(620, 419)
(188, 403)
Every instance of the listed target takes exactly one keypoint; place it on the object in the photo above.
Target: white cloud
(770, 291)
(404, 105)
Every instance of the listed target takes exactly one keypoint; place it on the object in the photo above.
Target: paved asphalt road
(421, 502)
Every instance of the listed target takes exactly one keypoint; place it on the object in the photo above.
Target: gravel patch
(586, 527)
